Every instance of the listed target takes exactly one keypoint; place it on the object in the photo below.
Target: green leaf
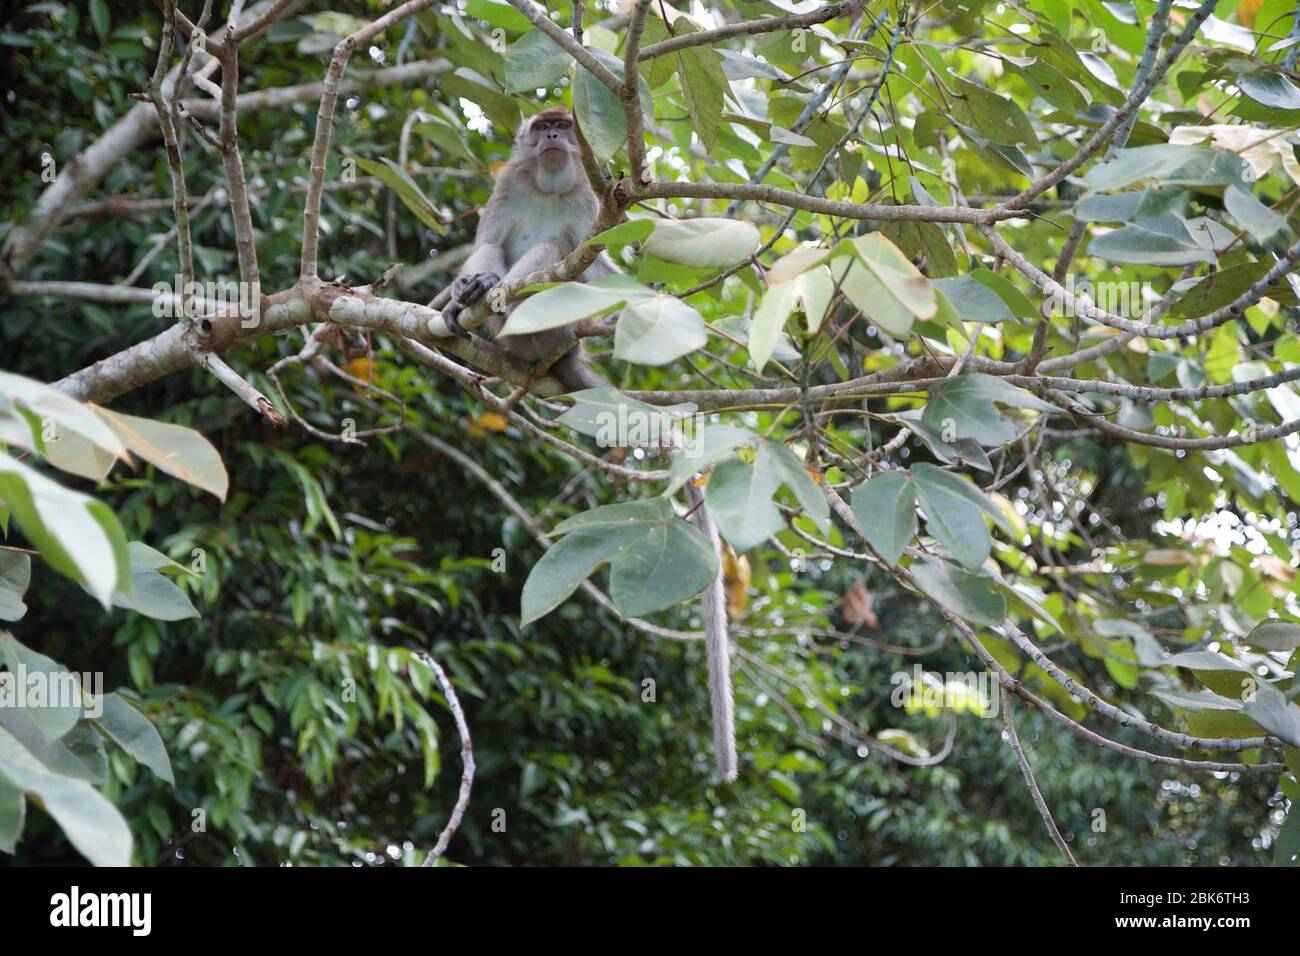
(1275, 636)
(498, 14)
(1251, 214)
(1270, 89)
(1167, 165)
(809, 292)
(998, 118)
(535, 61)
(884, 284)
(656, 559)
(1272, 711)
(710, 444)
(15, 575)
(615, 420)
(783, 462)
(135, 734)
(703, 243)
(658, 331)
(52, 695)
(704, 85)
(99, 18)
(671, 564)
(65, 431)
(599, 112)
(574, 301)
(634, 230)
(953, 515)
(739, 495)
(154, 596)
(958, 451)
(403, 186)
(569, 562)
(178, 451)
(79, 536)
(89, 821)
(13, 810)
(972, 597)
(885, 507)
(1156, 242)
(962, 407)
(972, 300)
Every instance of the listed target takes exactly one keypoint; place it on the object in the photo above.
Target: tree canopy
(972, 325)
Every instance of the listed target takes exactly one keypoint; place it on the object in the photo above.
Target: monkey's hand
(466, 291)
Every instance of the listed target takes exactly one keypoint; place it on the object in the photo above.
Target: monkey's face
(551, 140)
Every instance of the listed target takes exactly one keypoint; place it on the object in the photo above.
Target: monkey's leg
(574, 371)
(534, 345)
(713, 605)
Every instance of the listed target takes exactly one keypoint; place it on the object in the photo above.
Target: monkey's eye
(544, 124)
(563, 124)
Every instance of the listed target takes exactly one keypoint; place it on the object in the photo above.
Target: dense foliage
(887, 358)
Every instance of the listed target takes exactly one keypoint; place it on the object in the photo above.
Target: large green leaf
(135, 734)
(400, 182)
(79, 536)
(704, 85)
(533, 62)
(809, 292)
(1158, 242)
(15, 575)
(671, 564)
(615, 420)
(739, 495)
(1275, 636)
(64, 430)
(180, 452)
(656, 560)
(884, 284)
(972, 300)
(703, 243)
(972, 597)
(963, 407)
(52, 693)
(89, 821)
(574, 301)
(785, 464)
(998, 118)
(709, 445)
(1168, 165)
(1271, 710)
(657, 331)
(599, 112)
(885, 507)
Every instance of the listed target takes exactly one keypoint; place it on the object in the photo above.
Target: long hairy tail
(713, 603)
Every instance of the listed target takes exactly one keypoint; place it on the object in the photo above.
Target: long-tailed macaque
(540, 210)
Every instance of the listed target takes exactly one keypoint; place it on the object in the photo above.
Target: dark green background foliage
(328, 565)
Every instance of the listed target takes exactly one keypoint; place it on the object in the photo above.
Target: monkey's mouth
(554, 149)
